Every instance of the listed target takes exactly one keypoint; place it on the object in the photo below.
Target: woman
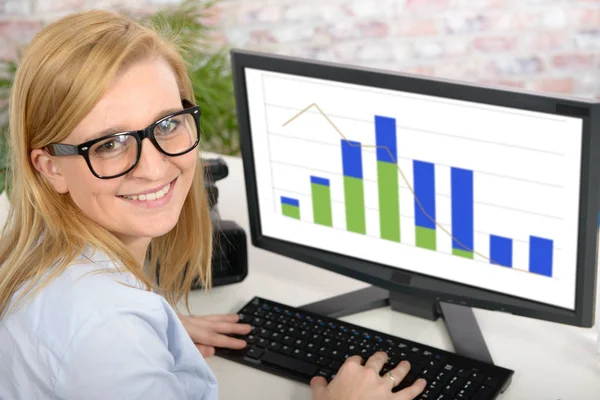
(106, 180)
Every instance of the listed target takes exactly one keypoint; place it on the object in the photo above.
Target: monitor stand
(460, 321)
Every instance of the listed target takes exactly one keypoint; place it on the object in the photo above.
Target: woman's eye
(168, 125)
(109, 146)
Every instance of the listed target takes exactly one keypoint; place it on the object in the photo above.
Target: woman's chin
(158, 229)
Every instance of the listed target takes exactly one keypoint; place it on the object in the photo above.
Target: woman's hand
(209, 332)
(355, 381)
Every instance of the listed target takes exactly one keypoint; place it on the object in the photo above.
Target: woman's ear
(47, 166)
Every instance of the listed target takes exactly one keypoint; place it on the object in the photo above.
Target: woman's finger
(401, 370)
(412, 391)
(228, 327)
(206, 351)
(398, 374)
(223, 317)
(218, 340)
(354, 359)
(376, 361)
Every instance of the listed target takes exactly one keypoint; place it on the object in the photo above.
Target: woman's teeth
(150, 196)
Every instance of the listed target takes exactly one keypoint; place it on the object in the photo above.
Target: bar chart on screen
(400, 178)
(422, 195)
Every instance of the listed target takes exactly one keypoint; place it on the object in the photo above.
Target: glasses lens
(114, 155)
(177, 134)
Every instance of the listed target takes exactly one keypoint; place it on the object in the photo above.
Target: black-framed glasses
(117, 154)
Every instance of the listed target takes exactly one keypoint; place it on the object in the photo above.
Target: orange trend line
(399, 170)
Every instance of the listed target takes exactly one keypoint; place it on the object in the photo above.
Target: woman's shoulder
(95, 283)
(93, 321)
(92, 286)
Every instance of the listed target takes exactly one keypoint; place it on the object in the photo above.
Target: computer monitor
(443, 195)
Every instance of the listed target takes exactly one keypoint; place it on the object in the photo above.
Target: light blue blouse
(93, 337)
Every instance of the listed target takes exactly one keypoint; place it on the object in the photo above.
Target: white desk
(551, 361)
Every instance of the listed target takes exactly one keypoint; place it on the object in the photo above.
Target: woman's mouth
(152, 199)
(150, 196)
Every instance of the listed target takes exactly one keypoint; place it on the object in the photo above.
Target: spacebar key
(293, 364)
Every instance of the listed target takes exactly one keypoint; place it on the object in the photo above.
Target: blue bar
(352, 159)
(424, 183)
(385, 139)
(462, 208)
(501, 251)
(290, 201)
(540, 255)
(319, 181)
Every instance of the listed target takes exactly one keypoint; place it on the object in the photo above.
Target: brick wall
(547, 45)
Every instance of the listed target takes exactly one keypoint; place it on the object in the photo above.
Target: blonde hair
(65, 70)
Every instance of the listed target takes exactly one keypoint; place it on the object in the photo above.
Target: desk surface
(551, 361)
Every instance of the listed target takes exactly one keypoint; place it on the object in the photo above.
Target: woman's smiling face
(157, 187)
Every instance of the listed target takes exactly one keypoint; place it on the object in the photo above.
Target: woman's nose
(152, 163)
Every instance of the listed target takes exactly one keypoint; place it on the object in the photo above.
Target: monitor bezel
(414, 283)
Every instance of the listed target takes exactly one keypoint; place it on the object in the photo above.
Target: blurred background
(550, 46)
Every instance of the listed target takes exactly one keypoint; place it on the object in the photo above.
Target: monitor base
(460, 321)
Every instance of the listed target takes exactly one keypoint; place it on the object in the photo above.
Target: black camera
(230, 249)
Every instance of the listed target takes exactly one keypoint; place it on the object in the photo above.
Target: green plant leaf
(2, 181)
(213, 89)
(208, 68)
(184, 23)
(7, 75)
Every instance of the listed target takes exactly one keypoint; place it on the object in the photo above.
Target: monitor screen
(481, 195)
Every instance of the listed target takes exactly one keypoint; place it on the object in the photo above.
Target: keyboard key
(244, 318)
(483, 393)
(269, 325)
(449, 368)
(410, 378)
(335, 365)
(288, 340)
(289, 363)
(450, 390)
(416, 368)
(477, 377)
(325, 373)
(265, 333)
(323, 361)
(456, 381)
(298, 353)
(489, 381)
(427, 373)
(275, 346)
(254, 352)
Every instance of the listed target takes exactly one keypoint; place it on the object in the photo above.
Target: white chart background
(526, 175)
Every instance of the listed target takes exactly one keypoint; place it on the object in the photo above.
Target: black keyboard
(298, 345)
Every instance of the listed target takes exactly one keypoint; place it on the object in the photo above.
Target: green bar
(426, 238)
(462, 253)
(355, 204)
(290, 211)
(321, 201)
(389, 203)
